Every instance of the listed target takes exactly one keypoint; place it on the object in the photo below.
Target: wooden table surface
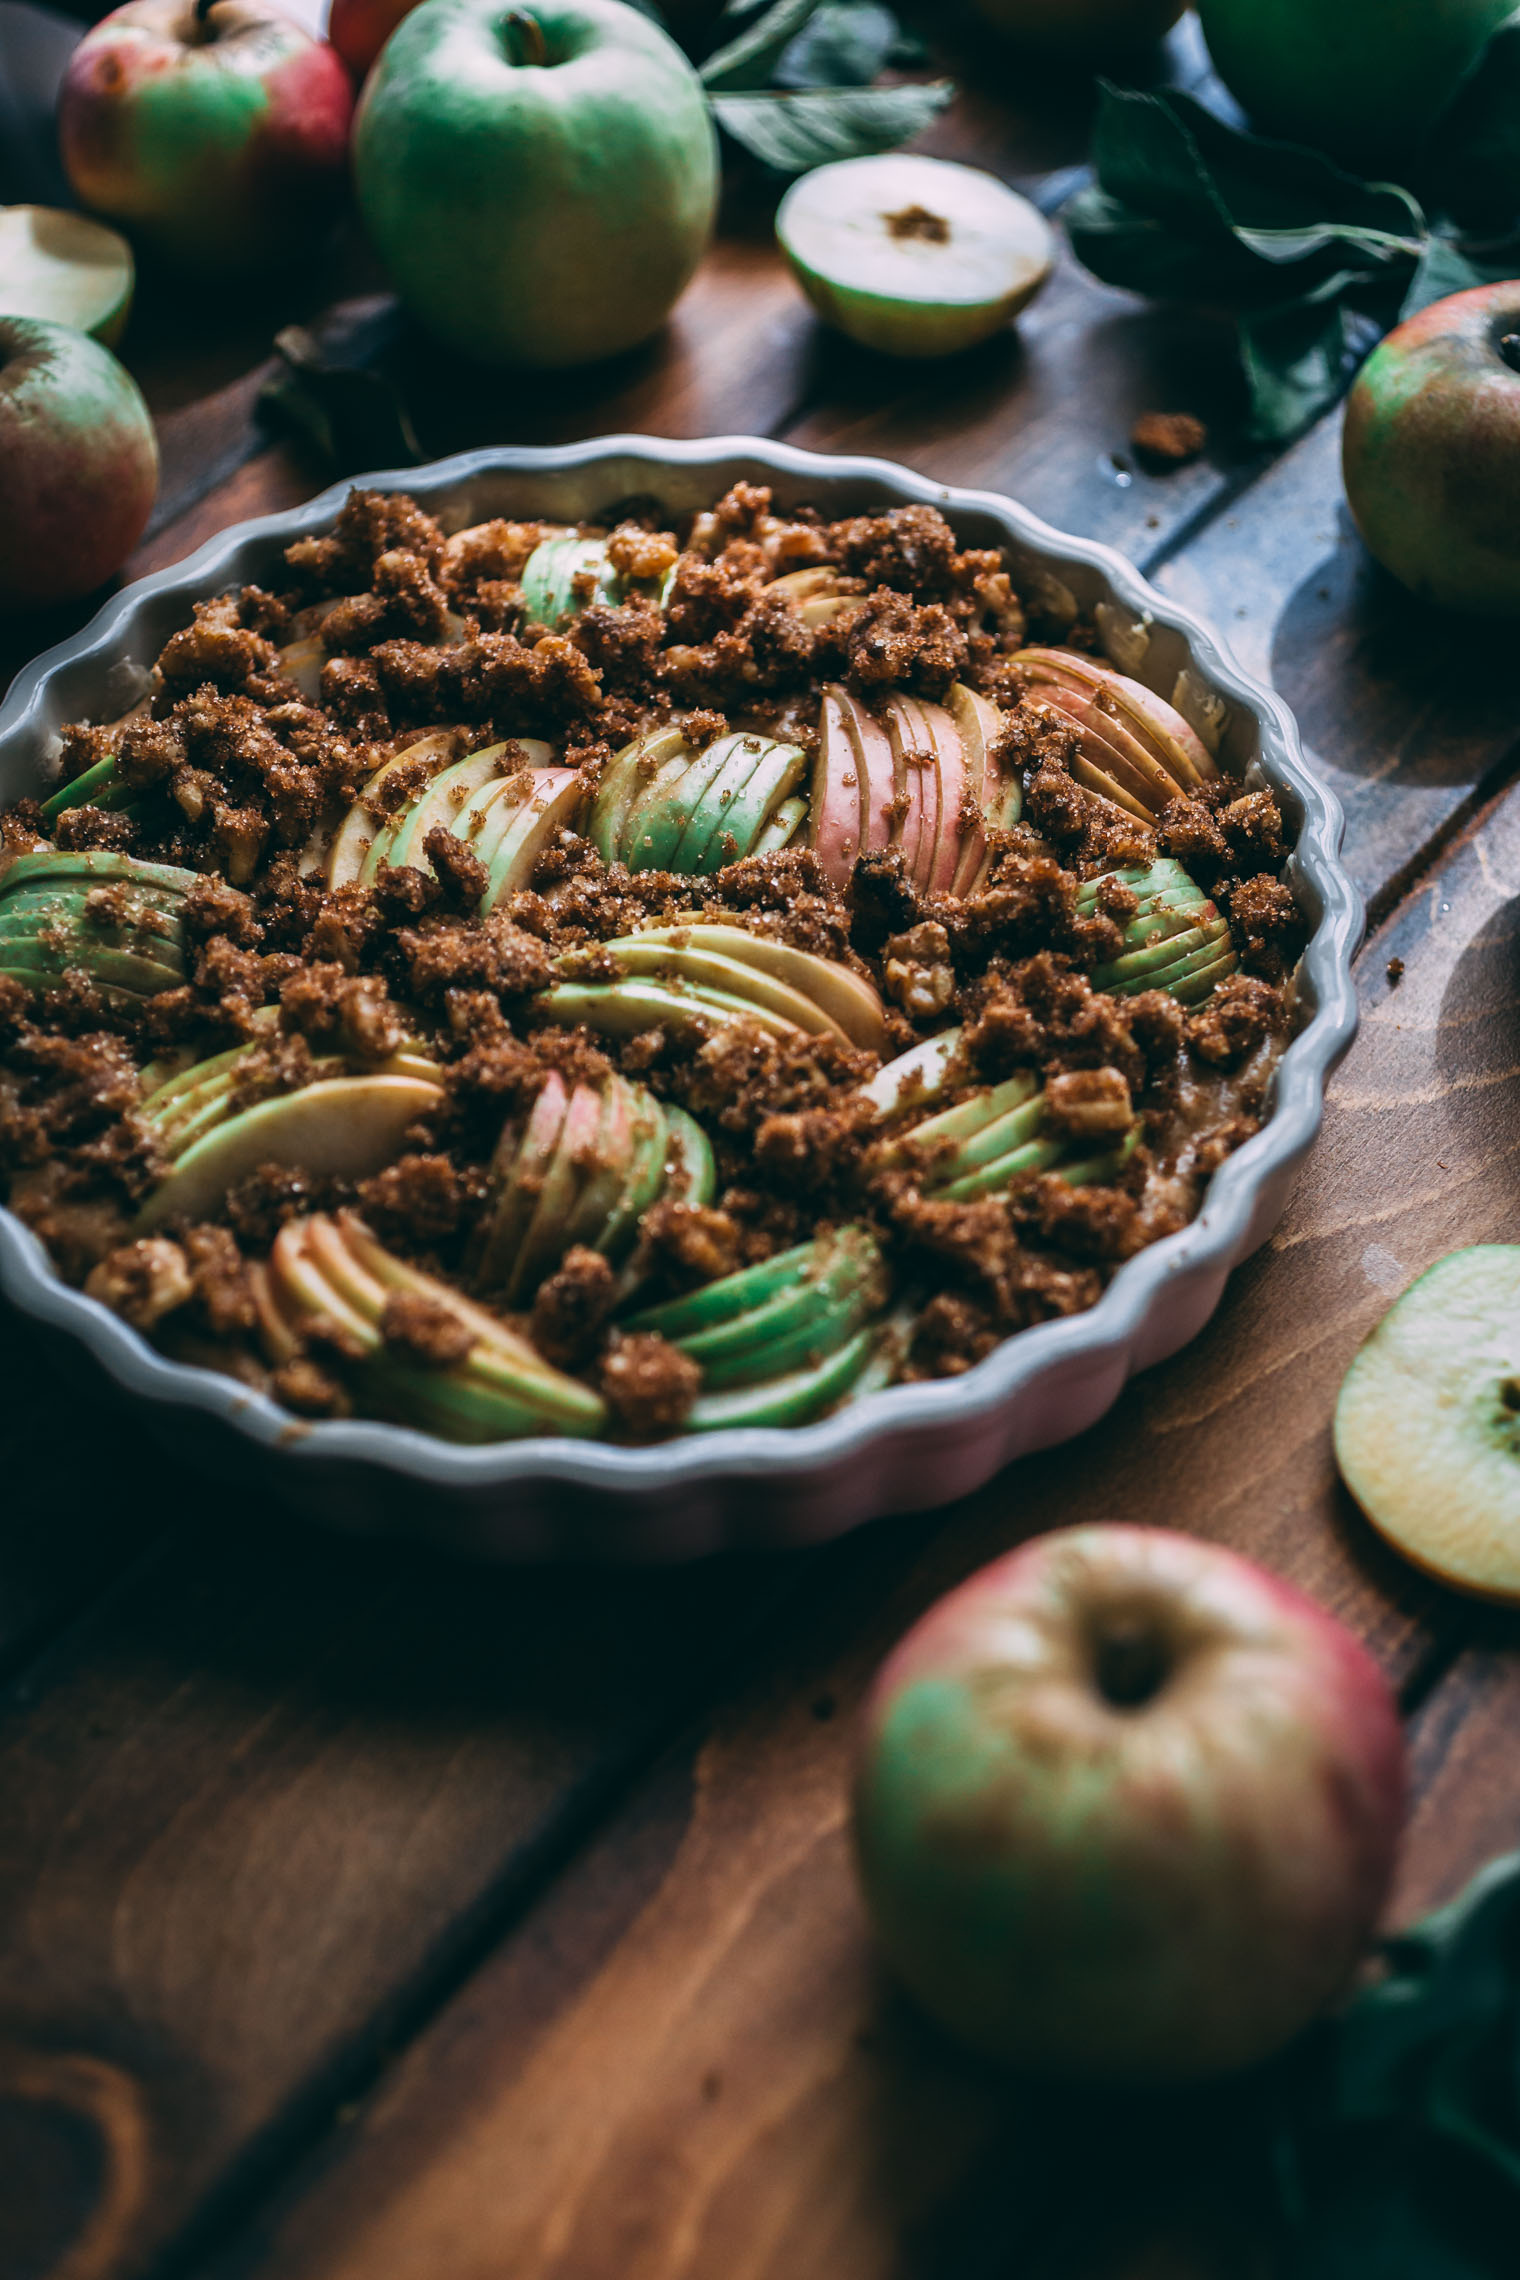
(363, 1917)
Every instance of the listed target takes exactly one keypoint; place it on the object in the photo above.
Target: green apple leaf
(1447, 267)
(846, 43)
(748, 59)
(1397, 2152)
(1300, 357)
(792, 132)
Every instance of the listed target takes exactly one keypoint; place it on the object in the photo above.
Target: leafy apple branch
(1312, 263)
(794, 85)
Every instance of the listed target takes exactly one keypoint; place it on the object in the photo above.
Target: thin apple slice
(519, 1166)
(880, 817)
(1108, 745)
(915, 1077)
(847, 998)
(681, 960)
(958, 821)
(366, 820)
(782, 828)
(450, 790)
(646, 1174)
(277, 1331)
(796, 1399)
(546, 1237)
(916, 784)
(814, 594)
(1146, 719)
(339, 1128)
(627, 775)
(753, 805)
(664, 812)
(305, 1293)
(552, 805)
(302, 662)
(563, 576)
(837, 828)
(742, 756)
(840, 1282)
(629, 1008)
(691, 1171)
(390, 1273)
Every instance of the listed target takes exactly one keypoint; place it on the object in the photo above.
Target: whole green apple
(1431, 451)
(1361, 79)
(1127, 1807)
(540, 181)
(1080, 29)
(215, 131)
(78, 463)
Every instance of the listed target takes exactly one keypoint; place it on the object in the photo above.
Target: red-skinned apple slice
(1156, 726)
(849, 1001)
(546, 1237)
(950, 766)
(916, 782)
(838, 826)
(878, 775)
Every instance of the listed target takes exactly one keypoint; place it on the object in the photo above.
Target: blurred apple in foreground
(78, 463)
(1360, 78)
(1080, 30)
(1431, 451)
(359, 29)
(214, 131)
(1127, 1807)
(540, 181)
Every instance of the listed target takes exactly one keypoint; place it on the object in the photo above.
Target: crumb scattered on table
(1164, 440)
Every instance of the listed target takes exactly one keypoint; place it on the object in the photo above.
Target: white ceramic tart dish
(910, 1446)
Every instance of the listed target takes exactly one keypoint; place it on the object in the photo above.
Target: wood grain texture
(686, 2067)
(1408, 714)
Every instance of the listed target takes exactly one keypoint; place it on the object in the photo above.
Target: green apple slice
(66, 269)
(783, 827)
(1171, 958)
(753, 804)
(520, 1165)
(727, 1299)
(277, 1331)
(1427, 1426)
(1102, 1169)
(552, 572)
(364, 822)
(392, 1273)
(847, 999)
(99, 786)
(655, 954)
(96, 865)
(341, 1128)
(447, 794)
(915, 1077)
(551, 806)
(913, 256)
(969, 1117)
(646, 1174)
(303, 1290)
(741, 757)
(628, 1008)
(691, 1173)
(627, 775)
(793, 1400)
(806, 1319)
(664, 811)
(607, 1172)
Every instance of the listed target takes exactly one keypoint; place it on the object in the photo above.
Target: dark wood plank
(1409, 715)
(270, 1794)
(686, 2064)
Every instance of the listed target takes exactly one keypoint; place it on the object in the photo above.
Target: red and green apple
(1127, 1807)
(540, 181)
(1431, 451)
(78, 463)
(214, 131)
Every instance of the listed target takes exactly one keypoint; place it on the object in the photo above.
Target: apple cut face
(332, 1269)
(1176, 940)
(65, 269)
(818, 595)
(582, 1168)
(103, 914)
(504, 803)
(1427, 1426)
(913, 256)
(1133, 748)
(783, 1341)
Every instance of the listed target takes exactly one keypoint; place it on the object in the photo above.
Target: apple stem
(532, 46)
(203, 9)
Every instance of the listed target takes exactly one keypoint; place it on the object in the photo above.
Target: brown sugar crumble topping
(631, 979)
